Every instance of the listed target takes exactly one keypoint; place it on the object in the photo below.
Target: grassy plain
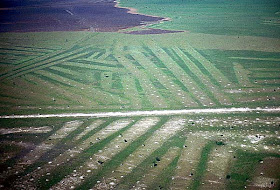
(222, 17)
(227, 57)
(82, 71)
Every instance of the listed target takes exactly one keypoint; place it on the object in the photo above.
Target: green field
(88, 72)
(225, 58)
(222, 17)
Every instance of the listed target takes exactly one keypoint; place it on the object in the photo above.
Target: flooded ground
(63, 15)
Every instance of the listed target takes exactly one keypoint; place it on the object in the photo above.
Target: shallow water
(74, 15)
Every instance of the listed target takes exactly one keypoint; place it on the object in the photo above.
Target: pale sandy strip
(92, 57)
(177, 92)
(217, 168)
(258, 98)
(48, 144)
(263, 183)
(149, 178)
(89, 128)
(217, 74)
(25, 183)
(91, 166)
(94, 67)
(151, 92)
(43, 129)
(219, 95)
(104, 55)
(265, 74)
(106, 80)
(269, 81)
(266, 89)
(269, 69)
(131, 92)
(188, 161)
(148, 113)
(181, 75)
(133, 160)
(241, 75)
(265, 173)
(256, 58)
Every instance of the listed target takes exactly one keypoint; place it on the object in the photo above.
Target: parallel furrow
(43, 147)
(131, 92)
(182, 96)
(218, 75)
(37, 60)
(26, 182)
(92, 166)
(33, 66)
(133, 160)
(149, 178)
(223, 99)
(217, 168)
(188, 82)
(89, 128)
(242, 75)
(188, 162)
(150, 90)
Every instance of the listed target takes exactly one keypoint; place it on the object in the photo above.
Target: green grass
(245, 17)
(77, 83)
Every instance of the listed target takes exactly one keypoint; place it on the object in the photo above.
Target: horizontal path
(146, 113)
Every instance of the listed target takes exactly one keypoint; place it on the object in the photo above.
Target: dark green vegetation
(150, 152)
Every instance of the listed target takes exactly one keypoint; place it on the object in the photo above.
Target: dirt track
(146, 113)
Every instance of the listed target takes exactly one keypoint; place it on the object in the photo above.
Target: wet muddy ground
(62, 15)
(152, 31)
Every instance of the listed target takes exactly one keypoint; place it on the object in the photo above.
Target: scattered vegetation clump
(220, 143)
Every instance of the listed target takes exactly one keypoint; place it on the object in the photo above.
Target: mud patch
(67, 15)
(152, 31)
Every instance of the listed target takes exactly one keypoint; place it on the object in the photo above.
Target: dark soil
(152, 31)
(66, 15)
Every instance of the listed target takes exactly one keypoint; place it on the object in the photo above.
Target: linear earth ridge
(146, 113)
